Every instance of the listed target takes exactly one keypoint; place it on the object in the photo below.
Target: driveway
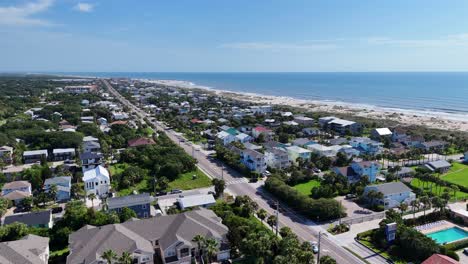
(352, 208)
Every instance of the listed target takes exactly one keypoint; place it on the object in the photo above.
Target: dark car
(57, 210)
(351, 196)
(175, 191)
(161, 193)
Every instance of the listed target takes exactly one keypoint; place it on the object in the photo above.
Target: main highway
(305, 229)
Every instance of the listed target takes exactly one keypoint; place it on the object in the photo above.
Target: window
(184, 252)
(96, 183)
(143, 206)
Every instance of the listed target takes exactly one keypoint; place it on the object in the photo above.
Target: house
(90, 160)
(303, 142)
(32, 219)
(399, 134)
(33, 156)
(413, 141)
(260, 130)
(119, 115)
(277, 158)
(295, 152)
(366, 145)
(6, 154)
(102, 121)
(262, 110)
(139, 203)
(63, 154)
(394, 194)
(90, 139)
(91, 146)
(338, 141)
(80, 89)
(253, 160)
(290, 123)
(357, 170)
(199, 200)
(140, 142)
(164, 239)
(322, 150)
(87, 119)
(30, 249)
(96, 181)
(404, 172)
(304, 120)
(16, 191)
(251, 146)
(225, 138)
(433, 145)
(349, 151)
(440, 259)
(63, 184)
(381, 133)
(243, 138)
(339, 125)
(440, 166)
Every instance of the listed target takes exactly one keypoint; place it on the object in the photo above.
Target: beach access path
(305, 229)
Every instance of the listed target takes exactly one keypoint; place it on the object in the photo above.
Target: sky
(232, 36)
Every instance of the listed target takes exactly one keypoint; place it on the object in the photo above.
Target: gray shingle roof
(392, 188)
(129, 200)
(24, 251)
(30, 219)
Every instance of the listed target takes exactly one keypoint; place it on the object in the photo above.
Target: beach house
(304, 120)
(139, 203)
(356, 170)
(91, 146)
(198, 200)
(394, 193)
(322, 150)
(164, 239)
(440, 166)
(277, 158)
(96, 181)
(253, 160)
(29, 249)
(381, 133)
(295, 152)
(63, 185)
(340, 126)
(33, 156)
(90, 160)
(16, 191)
(366, 145)
(32, 219)
(63, 154)
(260, 130)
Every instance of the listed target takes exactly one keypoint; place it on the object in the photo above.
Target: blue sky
(241, 35)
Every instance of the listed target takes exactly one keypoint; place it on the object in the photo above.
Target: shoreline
(432, 119)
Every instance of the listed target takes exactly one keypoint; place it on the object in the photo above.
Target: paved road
(305, 229)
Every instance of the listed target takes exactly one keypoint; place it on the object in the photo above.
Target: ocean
(439, 92)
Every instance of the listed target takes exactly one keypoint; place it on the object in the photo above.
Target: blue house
(63, 187)
(370, 169)
(366, 145)
(139, 203)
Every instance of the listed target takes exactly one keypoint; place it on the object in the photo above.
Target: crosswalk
(237, 181)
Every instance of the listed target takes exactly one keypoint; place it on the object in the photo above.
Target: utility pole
(277, 216)
(222, 172)
(318, 254)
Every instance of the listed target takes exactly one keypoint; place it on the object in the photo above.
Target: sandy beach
(438, 120)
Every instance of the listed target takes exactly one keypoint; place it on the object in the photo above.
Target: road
(305, 229)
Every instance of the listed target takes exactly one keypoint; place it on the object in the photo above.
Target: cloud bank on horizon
(298, 35)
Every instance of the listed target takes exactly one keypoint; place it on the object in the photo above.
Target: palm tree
(272, 221)
(126, 258)
(403, 207)
(415, 204)
(455, 190)
(262, 214)
(200, 240)
(211, 247)
(92, 197)
(109, 255)
(426, 202)
(53, 192)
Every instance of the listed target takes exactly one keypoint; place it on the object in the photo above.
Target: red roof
(196, 121)
(140, 142)
(262, 129)
(440, 259)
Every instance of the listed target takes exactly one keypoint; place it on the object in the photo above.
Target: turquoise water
(448, 235)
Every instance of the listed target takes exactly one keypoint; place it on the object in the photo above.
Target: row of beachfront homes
(33, 156)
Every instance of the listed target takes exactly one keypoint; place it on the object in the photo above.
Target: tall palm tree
(415, 205)
(403, 207)
(426, 202)
(200, 240)
(211, 247)
(53, 192)
(92, 197)
(126, 258)
(109, 255)
(455, 190)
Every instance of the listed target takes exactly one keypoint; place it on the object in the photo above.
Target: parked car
(351, 196)
(56, 210)
(465, 251)
(315, 248)
(316, 170)
(176, 191)
(211, 192)
(161, 193)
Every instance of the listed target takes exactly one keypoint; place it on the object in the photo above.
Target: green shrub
(457, 245)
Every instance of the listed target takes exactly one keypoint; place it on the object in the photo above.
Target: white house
(394, 193)
(379, 133)
(200, 200)
(225, 137)
(33, 156)
(295, 152)
(253, 160)
(277, 158)
(96, 181)
(322, 150)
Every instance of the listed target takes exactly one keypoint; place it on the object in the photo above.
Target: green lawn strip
(306, 188)
(185, 181)
(59, 252)
(381, 252)
(435, 188)
(458, 174)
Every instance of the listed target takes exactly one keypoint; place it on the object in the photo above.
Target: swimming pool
(448, 235)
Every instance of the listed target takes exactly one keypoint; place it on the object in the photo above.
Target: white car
(315, 248)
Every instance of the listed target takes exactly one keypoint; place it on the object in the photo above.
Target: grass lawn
(435, 188)
(383, 253)
(458, 174)
(143, 186)
(306, 188)
(185, 181)
(116, 169)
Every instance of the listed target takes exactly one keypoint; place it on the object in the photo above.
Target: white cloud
(276, 46)
(84, 7)
(456, 40)
(22, 15)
